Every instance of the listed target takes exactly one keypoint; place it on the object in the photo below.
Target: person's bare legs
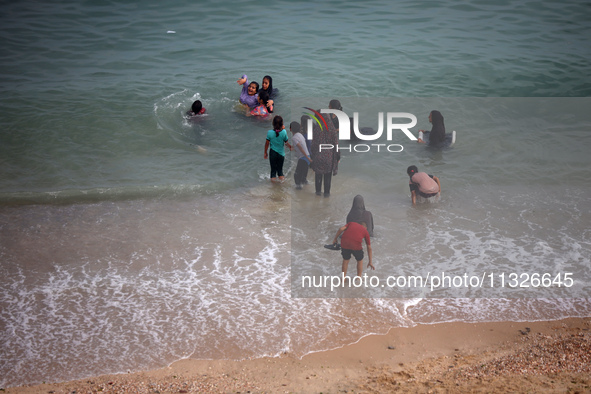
(359, 267)
(345, 266)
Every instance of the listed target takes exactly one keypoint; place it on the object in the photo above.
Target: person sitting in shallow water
(437, 133)
(196, 109)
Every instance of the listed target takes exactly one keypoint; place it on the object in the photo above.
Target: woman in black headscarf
(267, 86)
(437, 133)
(325, 160)
(358, 214)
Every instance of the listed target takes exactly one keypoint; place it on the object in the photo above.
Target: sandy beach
(552, 356)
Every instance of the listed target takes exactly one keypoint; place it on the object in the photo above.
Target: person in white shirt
(302, 154)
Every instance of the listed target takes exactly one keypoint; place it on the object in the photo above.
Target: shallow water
(131, 238)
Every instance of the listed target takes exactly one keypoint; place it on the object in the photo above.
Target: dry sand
(442, 358)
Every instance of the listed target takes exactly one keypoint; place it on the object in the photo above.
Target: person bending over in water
(422, 184)
(437, 133)
(351, 244)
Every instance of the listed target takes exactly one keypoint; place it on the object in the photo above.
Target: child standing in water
(276, 139)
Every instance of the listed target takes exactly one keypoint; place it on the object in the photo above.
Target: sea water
(131, 237)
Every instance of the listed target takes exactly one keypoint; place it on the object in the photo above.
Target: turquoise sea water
(123, 226)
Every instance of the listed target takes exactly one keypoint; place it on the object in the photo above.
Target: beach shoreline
(543, 356)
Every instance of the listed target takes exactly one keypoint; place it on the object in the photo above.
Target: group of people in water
(359, 223)
(259, 102)
(324, 162)
(257, 99)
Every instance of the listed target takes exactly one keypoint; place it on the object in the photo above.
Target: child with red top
(351, 244)
(196, 109)
(264, 108)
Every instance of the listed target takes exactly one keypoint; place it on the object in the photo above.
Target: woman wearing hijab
(437, 133)
(359, 214)
(267, 86)
(325, 155)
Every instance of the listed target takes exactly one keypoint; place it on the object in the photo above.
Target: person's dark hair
(357, 209)
(335, 104)
(270, 88)
(360, 215)
(277, 124)
(437, 135)
(437, 118)
(294, 127)
(196, 107)
(264, 96)
(412, 170)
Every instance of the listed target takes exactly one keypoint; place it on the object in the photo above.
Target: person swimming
(196, 109)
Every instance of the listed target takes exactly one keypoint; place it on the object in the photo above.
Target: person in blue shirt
(276, 139)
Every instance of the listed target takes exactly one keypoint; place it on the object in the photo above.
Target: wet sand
(552, 356)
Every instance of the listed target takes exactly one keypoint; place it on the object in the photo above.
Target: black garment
(335, 121)
(437, 133)
(301, 172)
(327, 181)
(359, 214)
(346, 253)
(276, 161)
(270, 91)
(325, 162)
